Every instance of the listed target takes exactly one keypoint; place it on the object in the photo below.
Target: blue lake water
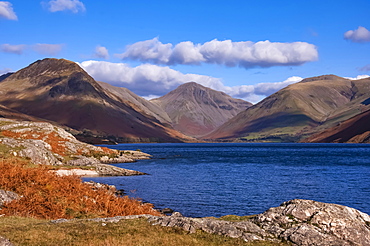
(209, 179)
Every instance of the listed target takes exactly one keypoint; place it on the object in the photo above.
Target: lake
(216, 179)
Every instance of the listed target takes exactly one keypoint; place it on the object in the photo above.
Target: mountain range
(299, 110)
(326, 108)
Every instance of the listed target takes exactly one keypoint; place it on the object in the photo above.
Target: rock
(7, 196)
(47, 144)
(167, 211)
(306, 222)
(108, 170)
(5, 242)
(296, 222)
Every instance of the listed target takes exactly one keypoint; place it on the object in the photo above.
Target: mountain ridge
(299, 109)
(61, 91)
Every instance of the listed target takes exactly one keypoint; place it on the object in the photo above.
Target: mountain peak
(323, 77)
(197, 110)
(48, 67)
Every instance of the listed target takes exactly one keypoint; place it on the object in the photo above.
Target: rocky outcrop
(5, 242)
(296, 222)
(7, 196)
(299, 222)
(47, 144)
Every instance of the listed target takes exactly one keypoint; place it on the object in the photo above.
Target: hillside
(353, 130)
(196, 110)
(61, 91)
(301, 109)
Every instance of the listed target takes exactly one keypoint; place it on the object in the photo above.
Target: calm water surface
(201, 180)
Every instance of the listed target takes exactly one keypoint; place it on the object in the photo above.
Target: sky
(248, 49)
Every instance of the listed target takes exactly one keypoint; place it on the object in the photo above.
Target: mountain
(196, 110)
(298, 110)
(353, 130)
(61, 91)
(136, 101)
(4, 76)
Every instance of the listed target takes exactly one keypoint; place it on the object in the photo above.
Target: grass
(26, 231)
(49, 196)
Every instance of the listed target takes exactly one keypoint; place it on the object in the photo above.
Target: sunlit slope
(298, 110)
(61, 91)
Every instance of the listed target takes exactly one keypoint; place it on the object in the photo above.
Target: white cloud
(244, 54)
(48, 49)
(66, 5)
(150, 81)
(6, 11)
(148, 51)
(14, 49)
(364, 76)
(101, 52)
(360, 35)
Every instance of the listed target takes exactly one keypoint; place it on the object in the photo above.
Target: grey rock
(297, 222)
(34, 140)
(7, 196)
(108, 170)
(306, 222)
(5, 242)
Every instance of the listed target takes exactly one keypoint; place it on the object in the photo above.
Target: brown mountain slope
(13, 114)
(137, 101)
(59, 90)
(309, 106)
(197, 110)
(353, 130)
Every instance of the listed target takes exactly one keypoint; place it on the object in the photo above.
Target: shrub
(47, 195)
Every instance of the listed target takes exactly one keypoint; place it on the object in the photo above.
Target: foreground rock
(296, 222)
(47, 144)
(5, 242)
(299, 222)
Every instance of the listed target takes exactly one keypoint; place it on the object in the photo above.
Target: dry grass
(47, 195)
(23, 231)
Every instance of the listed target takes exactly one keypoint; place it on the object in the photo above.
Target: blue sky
(249, 49)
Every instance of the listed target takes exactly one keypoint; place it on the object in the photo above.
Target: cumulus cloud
(364, 76)
(6, 11)
(48, 49)
(150, 81)
(101, 52)
(74, 6)
(14, 49)
(360, 35)
(243, 54)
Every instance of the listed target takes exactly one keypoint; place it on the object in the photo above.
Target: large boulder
(306, 222)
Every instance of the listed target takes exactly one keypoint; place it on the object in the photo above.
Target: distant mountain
(310, 106)
(61, 91)
(137, 102)
(4, 76)
(353, 130)
(196, 110)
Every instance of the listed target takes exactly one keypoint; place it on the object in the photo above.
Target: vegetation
(49, 196)
(26, 231)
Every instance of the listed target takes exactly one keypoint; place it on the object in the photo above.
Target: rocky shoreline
(295, 222)
(46, 144)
